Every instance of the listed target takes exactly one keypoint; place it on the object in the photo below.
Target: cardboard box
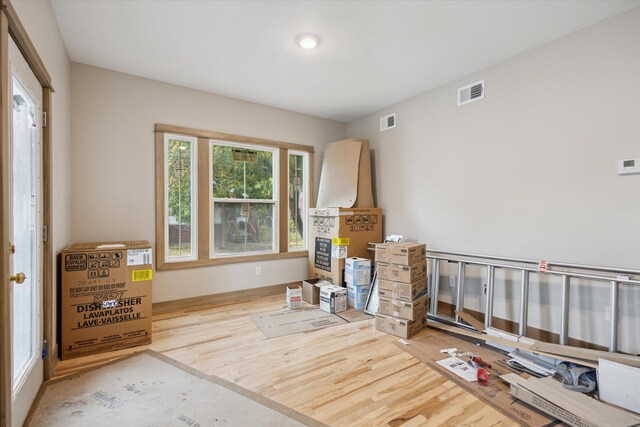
(311, 290)
(105, 297)
(338, 233)
(409, 310)
(357, 295)
(403, 253)
(401, 291)
(402, 273)
(294, 296)
(399, 327)
(357, 271)
(333, 299)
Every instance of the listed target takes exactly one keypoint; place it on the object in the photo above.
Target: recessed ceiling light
(308, 41)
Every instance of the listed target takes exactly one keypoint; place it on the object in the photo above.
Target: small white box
(357, 271)
(333, 299)
(294, 296)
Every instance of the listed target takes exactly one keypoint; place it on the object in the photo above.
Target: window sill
(163, 266)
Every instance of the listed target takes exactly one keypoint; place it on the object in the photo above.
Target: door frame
(10, 26)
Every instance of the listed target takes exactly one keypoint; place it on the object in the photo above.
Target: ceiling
(370, 55)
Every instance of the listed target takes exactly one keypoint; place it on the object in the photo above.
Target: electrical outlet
(258, 271)
(484, 288)
(452, 281)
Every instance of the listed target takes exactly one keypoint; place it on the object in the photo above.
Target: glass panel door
(25, 164)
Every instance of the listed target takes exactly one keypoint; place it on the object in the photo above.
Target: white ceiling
(371, 54)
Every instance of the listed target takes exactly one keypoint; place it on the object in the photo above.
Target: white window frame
(307, 196)
(194, 198)
(275, 201)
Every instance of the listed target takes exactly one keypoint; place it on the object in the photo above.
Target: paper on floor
(460, 368)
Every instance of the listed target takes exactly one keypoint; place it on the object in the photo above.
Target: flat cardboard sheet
(149, 389)
(345, 181)
(286, 322)
(365, 183)
(339, 176)
(426, 347)
(353, 315)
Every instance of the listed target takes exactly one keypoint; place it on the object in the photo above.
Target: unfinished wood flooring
(343, 375)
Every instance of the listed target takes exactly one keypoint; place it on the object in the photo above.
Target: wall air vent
(387, 122)
(470, 93)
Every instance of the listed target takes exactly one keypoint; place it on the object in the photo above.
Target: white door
(26, 235)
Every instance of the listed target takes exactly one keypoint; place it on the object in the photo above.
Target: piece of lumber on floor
(524, 395)
(584, 403)
(501, 341)
(475, 323)
(587, 409)
(585, 353)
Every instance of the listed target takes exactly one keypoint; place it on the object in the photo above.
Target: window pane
(179, 195)
(240, 173)
(243, 227)
(25, 216)
(297, 201)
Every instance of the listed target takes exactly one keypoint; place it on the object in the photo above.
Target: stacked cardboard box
(402, 288)
(357, 276)
(336, 234)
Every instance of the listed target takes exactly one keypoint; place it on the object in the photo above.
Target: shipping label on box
(357, 295)
(402, 273)
(333, 299)
(409, 310)
(339, 251)
(357, 271)
(338, 233)
(400, 327)
(401, 291)
(141, 256)
(105, 302)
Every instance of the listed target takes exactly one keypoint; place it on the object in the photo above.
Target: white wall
(39, 21)
(530, 171)
(113, 174)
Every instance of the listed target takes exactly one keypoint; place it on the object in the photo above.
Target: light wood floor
(344, 375)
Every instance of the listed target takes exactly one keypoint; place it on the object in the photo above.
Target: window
(298, 200)
(180, 192)
(244, 199)
(225, 198)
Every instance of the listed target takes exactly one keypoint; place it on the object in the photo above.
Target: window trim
(204, 199)
(194, 195)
